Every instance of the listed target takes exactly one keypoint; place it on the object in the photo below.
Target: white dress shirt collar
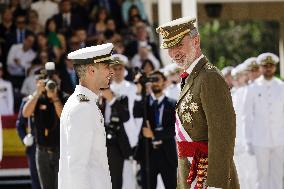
(191, 67)
(160, 99)
(85, 91)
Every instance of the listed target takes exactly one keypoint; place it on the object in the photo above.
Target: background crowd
(35, 32)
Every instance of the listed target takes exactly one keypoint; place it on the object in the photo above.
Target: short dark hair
(157, 72)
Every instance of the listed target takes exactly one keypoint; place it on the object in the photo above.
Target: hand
(28, 140)
(138, 88)
(107, 94)
(52, 94)
(40, 87)
(147, 131)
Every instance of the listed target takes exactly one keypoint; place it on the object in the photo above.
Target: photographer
(159, 130)
(115, 111)
(46, 105)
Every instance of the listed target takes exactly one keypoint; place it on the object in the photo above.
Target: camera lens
(51, 85)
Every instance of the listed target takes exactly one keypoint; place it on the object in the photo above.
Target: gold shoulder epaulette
(83, 98)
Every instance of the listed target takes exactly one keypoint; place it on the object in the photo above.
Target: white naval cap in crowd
(267, 58)
(251, 63)
(238, 69)
(94, 54)
(120, 59)
(227, 70)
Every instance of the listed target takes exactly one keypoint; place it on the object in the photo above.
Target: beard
(156, 90)
(189, 58)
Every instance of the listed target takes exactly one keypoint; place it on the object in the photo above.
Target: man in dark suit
(115, 111)
(159, 130)
(66, 21)
(26, 131)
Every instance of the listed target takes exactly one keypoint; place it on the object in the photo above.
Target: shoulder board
(83, 98)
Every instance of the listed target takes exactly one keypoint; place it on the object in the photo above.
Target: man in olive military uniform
(206, 123)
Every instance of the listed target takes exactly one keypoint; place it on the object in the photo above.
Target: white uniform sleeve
(80, 139)
(247, 115)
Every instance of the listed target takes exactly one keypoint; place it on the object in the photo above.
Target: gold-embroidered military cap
(267, 58)
(94, 54)
(173, 32)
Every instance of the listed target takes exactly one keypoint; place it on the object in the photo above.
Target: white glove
(212, 188)
(28, 140)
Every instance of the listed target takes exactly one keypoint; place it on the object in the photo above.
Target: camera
(49, 72)
(143, 79)
(113, 128)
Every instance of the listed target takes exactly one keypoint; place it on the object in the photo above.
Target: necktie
(21, 36)
(156, 108)
(183, 76)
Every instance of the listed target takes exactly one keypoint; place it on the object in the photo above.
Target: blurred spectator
(6, 28)
(111, 34)
(141, 39)
(66, 21)
(144, 53)
(19, 60)
(43, 46)
(45, 9)
(159, 132)
(82, 36)
(68, 77)
(16, 8)
(26, 131)
(116, 113)
(19, 33)
(118, 47)
(33, 24)
(98, 26)
(6, 95)
(133, 8)
(29, 84)
(82, 8)
(51, 32)
(46, 105)
(74, 43)
(122, 87)
(226, 72)
(147, 67)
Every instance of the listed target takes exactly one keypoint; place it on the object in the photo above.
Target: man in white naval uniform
(6, 95)
(245, 162)
(264, 119)
(122, 87)
(83, 160)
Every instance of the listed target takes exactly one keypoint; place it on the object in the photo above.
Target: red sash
(199, 164)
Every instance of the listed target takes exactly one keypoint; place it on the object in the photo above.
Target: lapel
(192, 76)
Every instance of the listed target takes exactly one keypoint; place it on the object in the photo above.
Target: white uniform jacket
(264, 113)
(83, 160)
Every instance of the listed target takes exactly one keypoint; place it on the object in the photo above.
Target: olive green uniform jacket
(206, 112)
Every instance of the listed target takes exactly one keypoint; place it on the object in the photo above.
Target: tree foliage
(229, 43)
